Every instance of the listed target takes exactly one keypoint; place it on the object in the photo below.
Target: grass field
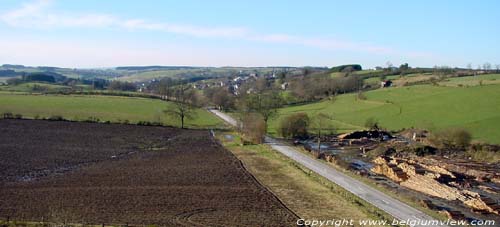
(472, 80)
(4, 79)
(28, 87)
(476, 108)
(105, 108)
(149, 75)
(399, 80)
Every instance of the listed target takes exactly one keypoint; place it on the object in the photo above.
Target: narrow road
(394, 207)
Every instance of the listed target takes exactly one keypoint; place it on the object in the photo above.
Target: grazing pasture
(476, 108)
(472, 80)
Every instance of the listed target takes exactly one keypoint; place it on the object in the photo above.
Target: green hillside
(476, 108)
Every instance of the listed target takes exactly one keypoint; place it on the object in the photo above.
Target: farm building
(385, 83)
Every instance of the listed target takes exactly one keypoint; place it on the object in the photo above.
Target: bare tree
(469, 66)
(266, 104)
(223, 99)
(253, 127)
(497, 66)
(307, 71)
(321, 122)
(261, 84)
(165, 87)
(487, 66)
(182, 105)
(389, 65)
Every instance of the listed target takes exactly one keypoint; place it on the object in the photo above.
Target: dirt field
(97, 173)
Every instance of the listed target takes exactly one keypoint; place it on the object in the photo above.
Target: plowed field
(118, 174)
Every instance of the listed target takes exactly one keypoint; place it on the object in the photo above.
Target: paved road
(394, 207)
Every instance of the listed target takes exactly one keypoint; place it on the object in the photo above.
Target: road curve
(394, 207)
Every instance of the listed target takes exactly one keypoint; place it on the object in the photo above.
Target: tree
(469, 66)
(253, 127)
(487, 66)
(307, 71)
(121, 86)
(404, 67)
(261, 84)
(497, 66)
(294, 125)
(266, 104)
(14, 81)
(348, 70)
(319, 123)
(451, 139)
(165, 87)
(182, 105)
(282, 75)
(389, 65)
(223, 99)
(340, 68)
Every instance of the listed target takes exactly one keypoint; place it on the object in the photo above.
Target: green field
(149, 75)
(106, 108)
(476, 108)
(28, 87)
(472, 80)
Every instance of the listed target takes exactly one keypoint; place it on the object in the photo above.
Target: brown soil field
(118, 174)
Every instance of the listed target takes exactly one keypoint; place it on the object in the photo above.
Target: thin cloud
(37, 14)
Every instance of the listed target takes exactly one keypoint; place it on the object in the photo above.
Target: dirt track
(97, 173)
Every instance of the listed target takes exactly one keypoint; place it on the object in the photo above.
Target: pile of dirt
(433, 180)
(368, 134)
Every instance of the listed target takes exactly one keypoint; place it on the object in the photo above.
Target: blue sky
(109, 33)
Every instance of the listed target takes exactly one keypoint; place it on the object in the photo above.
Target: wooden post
(319, 141)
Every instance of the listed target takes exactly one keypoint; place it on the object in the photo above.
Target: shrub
(381, 151)
(8, 115)
(254, 127)
(484, 156)
(294, 125)
(143, 123)
(451, 139)
(424, 150)
(434, 81)
(361, 96)
(18, 116)
(56, 118)
(148, 123)
(92, 119)
(371, 123)
(14, 81)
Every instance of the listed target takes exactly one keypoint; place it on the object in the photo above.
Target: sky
(96, 33)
